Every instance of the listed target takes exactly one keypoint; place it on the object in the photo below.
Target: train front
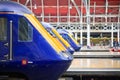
(26, 49)
(67, 36)
(56, 35)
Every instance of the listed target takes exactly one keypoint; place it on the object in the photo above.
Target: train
(68, 37)
(27, 50)
(55, 39)
(56, 35)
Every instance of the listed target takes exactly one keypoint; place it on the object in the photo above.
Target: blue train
(56, 35)
(68, 37)
(26, 48)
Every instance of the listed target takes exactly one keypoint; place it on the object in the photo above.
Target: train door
(5, 38)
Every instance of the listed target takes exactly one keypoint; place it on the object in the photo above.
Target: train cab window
(50, 32)
(25, 30)
(3, 29)
(66, 37)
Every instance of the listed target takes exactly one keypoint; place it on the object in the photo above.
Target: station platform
(95, 49)
(96, 52)
(93, 69)
(94, 65)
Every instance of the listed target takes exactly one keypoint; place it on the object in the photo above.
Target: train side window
(25, 30)
(3, 29)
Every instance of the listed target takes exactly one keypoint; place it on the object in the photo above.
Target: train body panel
(70, 40)
(66, 44)
(59, 44)
(41, 29)
(56, 35)
(26, 48)
(36, 70)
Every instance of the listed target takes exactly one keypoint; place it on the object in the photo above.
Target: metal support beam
(112, 36)
(31, 5)
(106, 11)
(26, 2)
(81, 24)
(49, 18)
(75, 35)
(87, 4)
(118, 32)
(18, 1)
(58, 18)
(94, 13)
(77, 11)
(118, 24)
(42, 10)
(80, 19)
(68, 17)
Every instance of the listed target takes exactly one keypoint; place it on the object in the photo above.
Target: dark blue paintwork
(49, 28)
(43, 62)
(65, 35)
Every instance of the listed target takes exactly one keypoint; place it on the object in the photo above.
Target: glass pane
(51, 32)
(25, 30)
(3, 29)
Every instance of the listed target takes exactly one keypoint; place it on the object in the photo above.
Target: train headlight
(24, 62)
(71, 48)
(66, 54)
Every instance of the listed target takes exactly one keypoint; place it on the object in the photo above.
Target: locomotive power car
(26, 48)
(68, 37)
(56, 35)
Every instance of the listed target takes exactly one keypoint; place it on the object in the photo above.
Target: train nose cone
(71, 50)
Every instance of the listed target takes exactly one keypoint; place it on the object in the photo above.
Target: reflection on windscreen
(50, 31)
(3, 29)
(66, 37)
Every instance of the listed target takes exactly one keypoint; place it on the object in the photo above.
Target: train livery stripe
(55, 40)
(60, 37)
(73, 39)
(37, 25)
